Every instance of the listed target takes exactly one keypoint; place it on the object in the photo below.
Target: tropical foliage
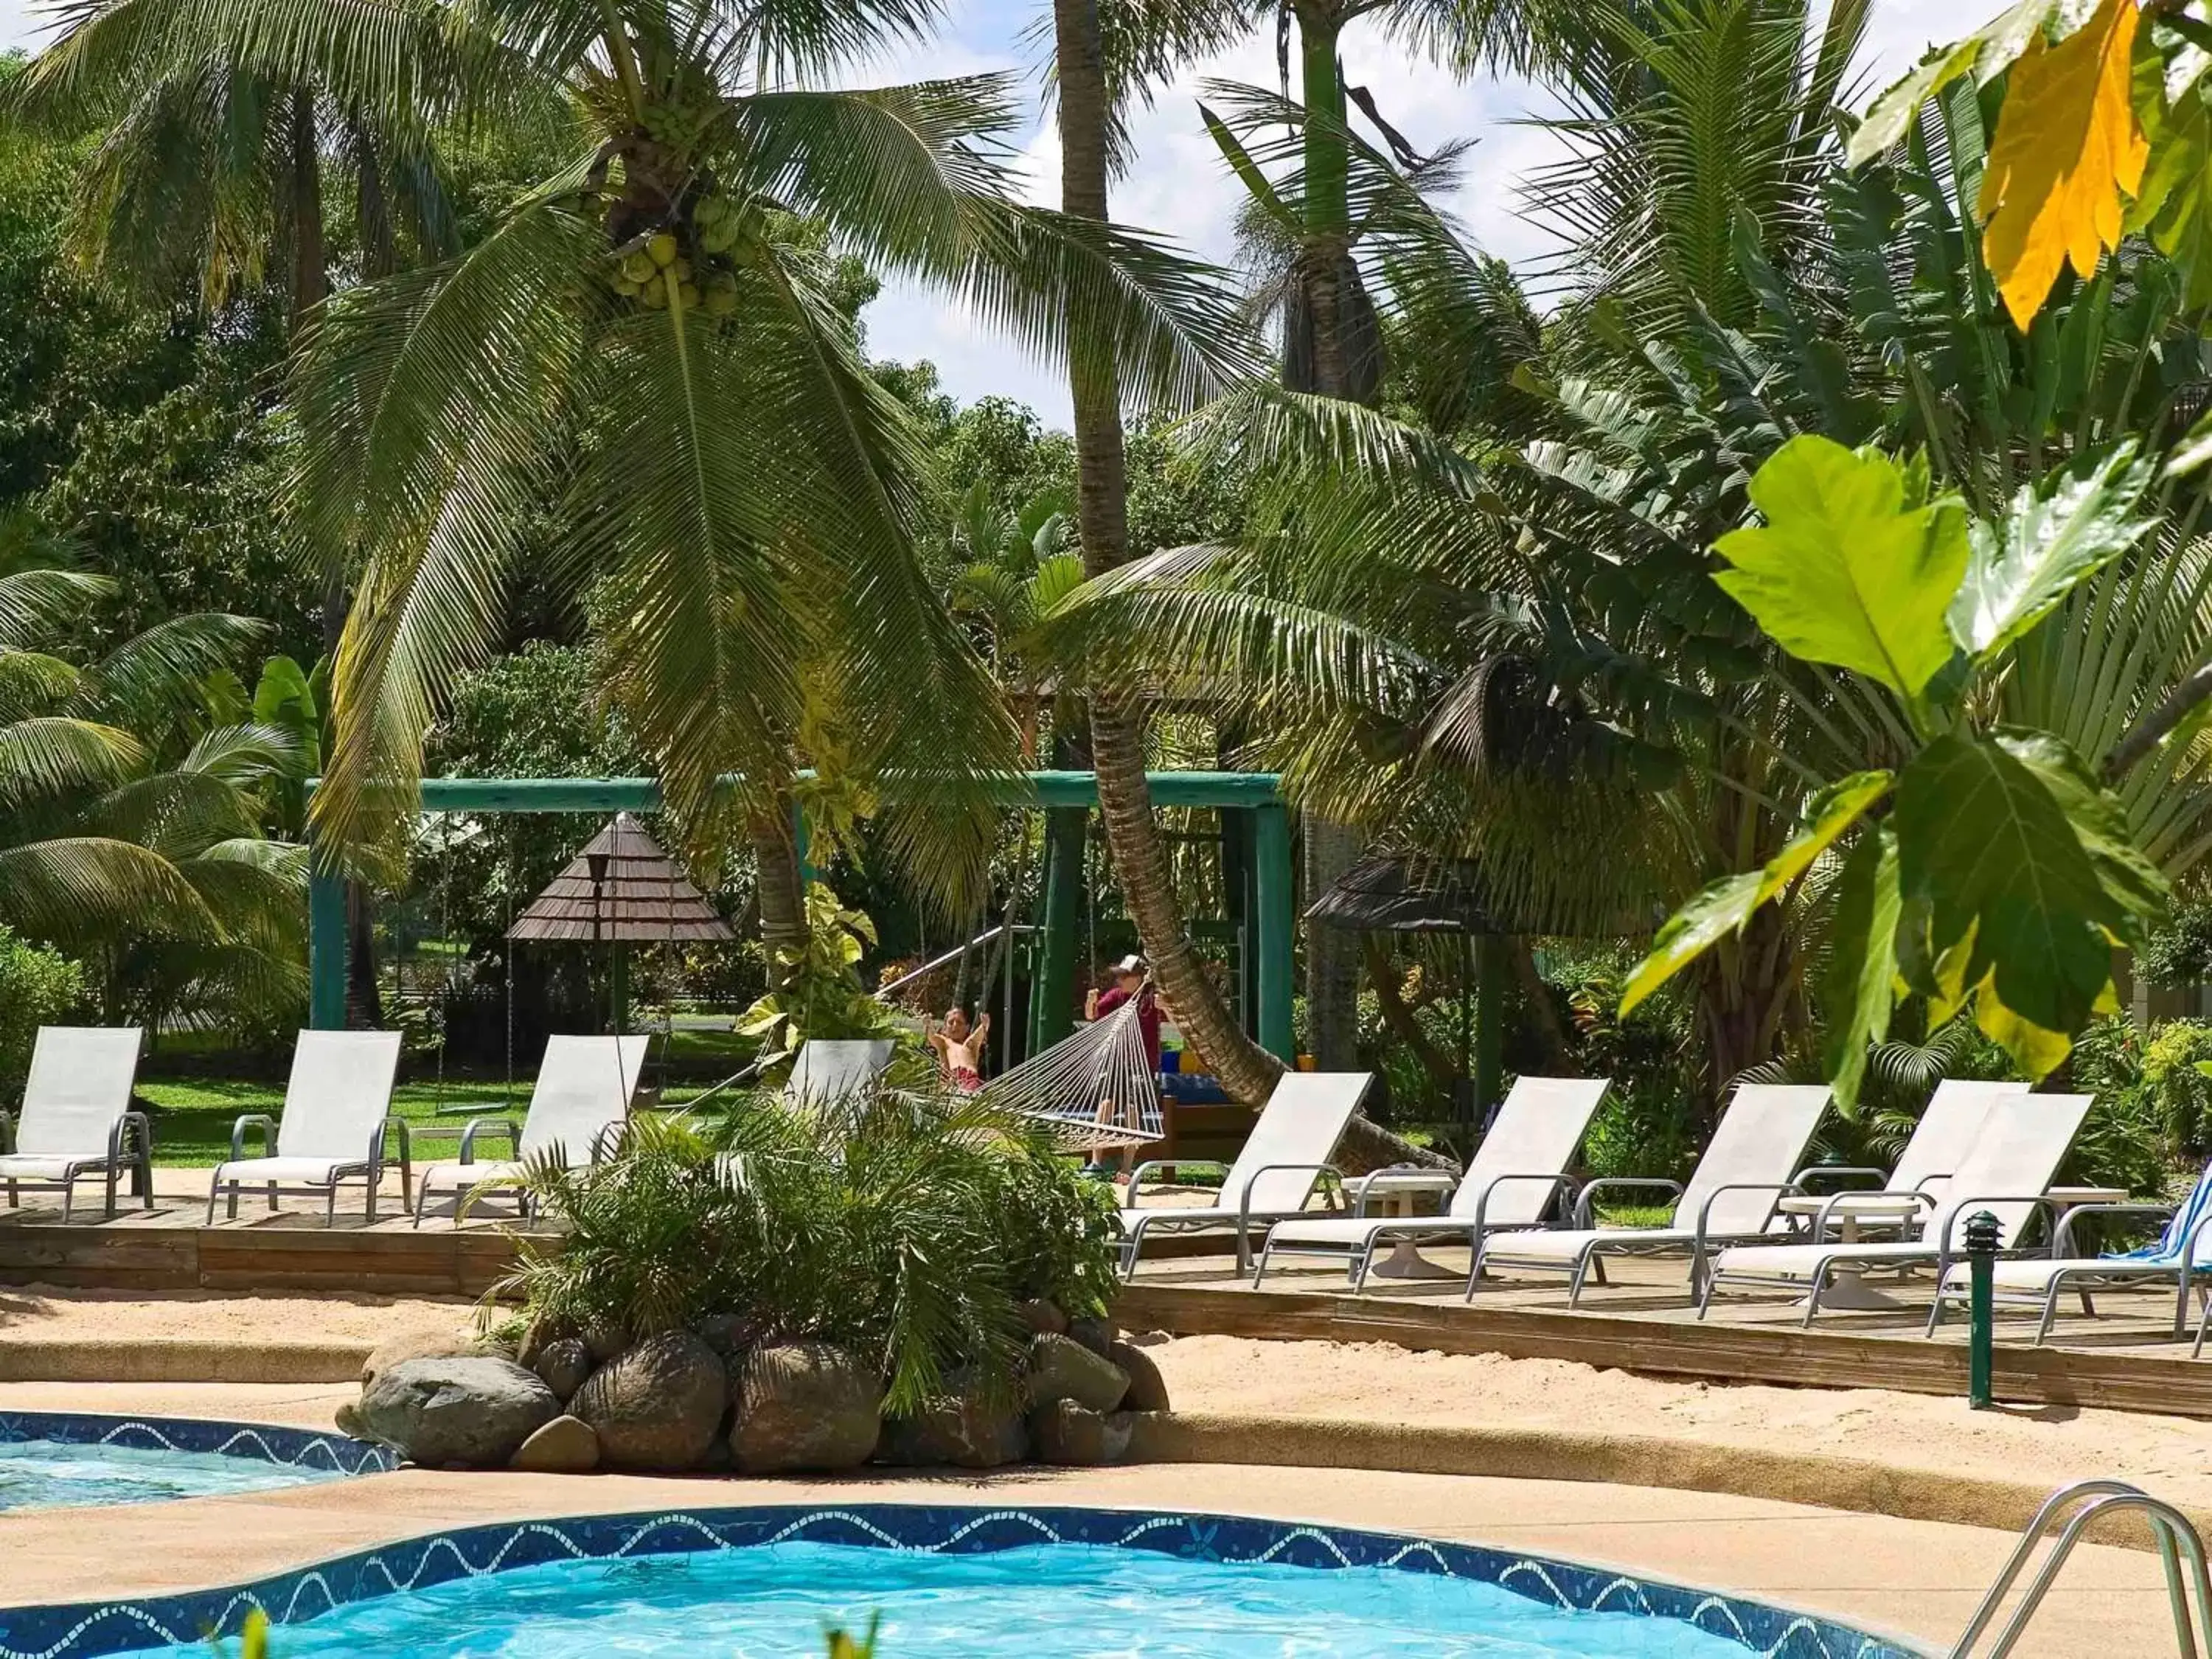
(904, 1226)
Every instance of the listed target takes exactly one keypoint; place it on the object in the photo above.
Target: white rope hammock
(1097, 1086)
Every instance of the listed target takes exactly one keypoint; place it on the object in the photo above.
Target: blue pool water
(39, 1473)
(1050, 1602)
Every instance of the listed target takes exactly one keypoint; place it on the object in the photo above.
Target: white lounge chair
(77, 1119)
(577, 1108)
(1731, 1194)
(2021, 1143)
(2036, 1282)
(1946, 1132)
(1512, 1182)
(831, 1073)
(1274, 1177)
(337, 1108)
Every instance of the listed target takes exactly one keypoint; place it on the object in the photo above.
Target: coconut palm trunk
(1117, 744)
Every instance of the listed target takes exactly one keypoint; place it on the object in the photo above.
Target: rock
(564, 1363)
(726, 1333)
(657, 1407)
(1064, 1432)
(1148, 1389)
(1060, 1368)
(1095, 1334)
(434, 1342)
(475, 1410)
(605, 1341)
(803, 1406)
(567, 1445)
(960, 1430)
(1044, 1318)
(348, 1417)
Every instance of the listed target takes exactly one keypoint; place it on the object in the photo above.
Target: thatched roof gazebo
(622, 889)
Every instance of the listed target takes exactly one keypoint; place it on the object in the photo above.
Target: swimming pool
(52, 1458)
(1041, 1583)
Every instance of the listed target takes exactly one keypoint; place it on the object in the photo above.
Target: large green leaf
(1852, 567)
(1857, 991)
(2129, 879)
(2052, 539)
(1983, 53)
(1719, 909)
(1829, 814)
(1984, 840)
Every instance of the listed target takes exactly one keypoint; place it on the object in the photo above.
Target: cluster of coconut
(655, 268)
(709, 1400)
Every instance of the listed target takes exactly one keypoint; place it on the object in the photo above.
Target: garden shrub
(2181, 1094)
(1650, 1123)
(38, 987)
(906, 1229)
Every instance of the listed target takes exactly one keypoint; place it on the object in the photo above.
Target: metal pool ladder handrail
(2086, 1500)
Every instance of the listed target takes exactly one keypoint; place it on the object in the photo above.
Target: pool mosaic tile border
(301, 1448)
(87, 1630)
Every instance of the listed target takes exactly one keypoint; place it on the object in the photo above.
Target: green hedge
(38, 987)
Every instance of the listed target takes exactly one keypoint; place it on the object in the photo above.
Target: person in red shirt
(1131, 980)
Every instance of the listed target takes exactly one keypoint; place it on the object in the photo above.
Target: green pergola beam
(1271, 927)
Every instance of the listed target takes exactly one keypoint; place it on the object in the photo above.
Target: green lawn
(192, 1116)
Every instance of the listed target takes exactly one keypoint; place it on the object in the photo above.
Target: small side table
(1398, 1192)
(1847, 1288)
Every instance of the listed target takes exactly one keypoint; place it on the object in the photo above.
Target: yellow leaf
(2068, 147)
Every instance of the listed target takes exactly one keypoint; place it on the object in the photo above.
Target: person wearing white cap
(1131, 980)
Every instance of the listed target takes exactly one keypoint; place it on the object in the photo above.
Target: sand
(1376, 1382)
(41, 1313)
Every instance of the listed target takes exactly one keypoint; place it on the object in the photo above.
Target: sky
(1180, 189)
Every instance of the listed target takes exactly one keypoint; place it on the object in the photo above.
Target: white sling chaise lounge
(577, 1108)
(77, 1119)
(1731, 1194)
(338, 1108)
(2036, 1282)
(1286, 1154)
(1949, 1126)
(2021, 1143)
(1512, 1182)
(831, 1073)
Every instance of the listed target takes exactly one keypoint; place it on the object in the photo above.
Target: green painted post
(1981, 1267)
(1489, 1024)
(807, 873)
(326, 951)
(1272, 927)
(1052, 995)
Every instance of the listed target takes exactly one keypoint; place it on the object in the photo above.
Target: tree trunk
(1401, 1019)
(779, 883)
(1247, 1071)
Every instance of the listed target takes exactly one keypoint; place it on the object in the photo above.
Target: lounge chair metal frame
(1861, 1257)
(369, 1170)
(604, 1146)
(2086, 1276)
(1590, 1257)
(1164, 1221)
(1359, 1259)
(130, 1145)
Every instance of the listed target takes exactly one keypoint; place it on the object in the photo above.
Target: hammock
(1097, 1087)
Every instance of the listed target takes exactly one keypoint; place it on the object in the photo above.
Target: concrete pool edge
(85, 1630)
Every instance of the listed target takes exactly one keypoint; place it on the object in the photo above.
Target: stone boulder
(565, 1363)
(1097, 1334)
(567, 1445)
(803, 1406)
(1044, 1318)
(473, 1411)
(962, 1430)
(1064, 1432)
(430, 1342)
(657, 1407)
(1148, 1389)
(1060, 1368)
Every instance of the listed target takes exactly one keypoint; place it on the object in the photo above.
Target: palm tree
(1018, 569)
(1502, 639)
(643, 362)
(130, 828)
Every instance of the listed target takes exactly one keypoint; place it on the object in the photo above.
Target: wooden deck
(2121, 1359)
